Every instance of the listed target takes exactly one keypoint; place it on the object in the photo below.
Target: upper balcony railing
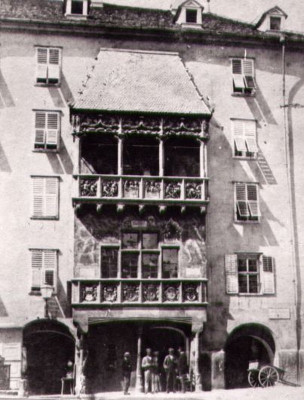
(141, 189)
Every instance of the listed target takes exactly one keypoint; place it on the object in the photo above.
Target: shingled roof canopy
(140, 81)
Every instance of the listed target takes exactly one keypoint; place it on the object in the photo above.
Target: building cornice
(77, 28)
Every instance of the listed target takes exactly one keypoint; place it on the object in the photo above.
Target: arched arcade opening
(245, 344)
(49, 346)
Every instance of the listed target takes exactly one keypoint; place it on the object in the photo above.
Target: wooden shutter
(50, 267)
(238, 134)
(40, 124)
(248, 72)
(52, 133)
(54, 66)
(250, 136)
(241, 199)
(231, 272)
(38, 196)
(267, 276)
(252, 196)
(238, 79)
(42, 65)
(37, 257)
(51, 197)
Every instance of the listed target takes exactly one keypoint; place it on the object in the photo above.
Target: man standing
(126, 372)
(147, 366)
(170, 369)
(182, 367)
(156, 373)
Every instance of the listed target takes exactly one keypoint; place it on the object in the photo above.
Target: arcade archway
(49, 346)
(247, 343)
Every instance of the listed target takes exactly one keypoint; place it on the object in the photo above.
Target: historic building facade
(151, 175)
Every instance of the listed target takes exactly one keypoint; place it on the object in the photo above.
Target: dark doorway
(49, 346)
(251, 342)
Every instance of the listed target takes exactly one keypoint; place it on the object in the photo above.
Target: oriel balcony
(141, 171)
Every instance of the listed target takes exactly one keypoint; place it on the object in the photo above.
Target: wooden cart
(267, 375)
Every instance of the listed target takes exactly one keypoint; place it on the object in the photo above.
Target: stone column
(77, 160)
(161, 157)
(119, 156)
(203, 159)
(78, 366)
(139, 382)
(197, 375)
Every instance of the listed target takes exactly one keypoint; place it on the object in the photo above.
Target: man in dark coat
(182, 367)
(126, 372)
(170, 370)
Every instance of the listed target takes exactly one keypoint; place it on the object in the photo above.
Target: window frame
(48, 66)
(85, 9)
(140, 251)
(191, 11)
(265, 272)
(46, 145)
(243, 76)
(278, 20)
(244, 203)
(42, 269)
(44, 199)
(242, 139)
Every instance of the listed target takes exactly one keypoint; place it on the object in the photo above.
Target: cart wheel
(253, 378)
(268, 376)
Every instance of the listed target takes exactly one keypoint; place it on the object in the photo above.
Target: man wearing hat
(170, 370)
(126, 372)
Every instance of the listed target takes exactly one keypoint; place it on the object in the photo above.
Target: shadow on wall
(260, 108)
(3, 311)
(61, 162)
(6, 99)
(4, 164)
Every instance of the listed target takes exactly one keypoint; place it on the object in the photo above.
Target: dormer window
(77, 8)
(191, 16)
(275, 23)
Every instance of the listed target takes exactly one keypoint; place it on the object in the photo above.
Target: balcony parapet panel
(143, 292)
(86, 123)
(135, 189)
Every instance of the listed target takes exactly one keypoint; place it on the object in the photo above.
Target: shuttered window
(48, 65)
(246, 202)
(244, 138)
(45, 197)
(243, 76)
(47, 130)
(44, 268)
(249, 274)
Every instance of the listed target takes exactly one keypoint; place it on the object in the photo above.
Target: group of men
(173, 366)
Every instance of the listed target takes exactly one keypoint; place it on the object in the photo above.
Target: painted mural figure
(126, 372)
(147, 366)
(170, 370)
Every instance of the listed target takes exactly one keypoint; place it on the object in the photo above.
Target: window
(243, 76)
(47, 130)
(246, 202)
(48, 65)
(139, 256)
(244, 138)
(275, 23)
(45, 197)
(44, 268)
(77, 7)
(249, 273)
(191, 16)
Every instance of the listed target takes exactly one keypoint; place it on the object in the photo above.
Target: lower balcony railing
(141, 188)
(139, 291)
